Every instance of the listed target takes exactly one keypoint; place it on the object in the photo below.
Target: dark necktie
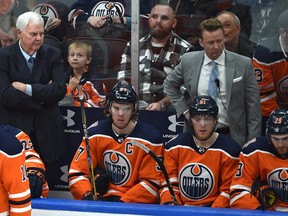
(212, 87)
(31, 61)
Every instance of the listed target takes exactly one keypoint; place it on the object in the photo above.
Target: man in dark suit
(236, 90)
(31, 88)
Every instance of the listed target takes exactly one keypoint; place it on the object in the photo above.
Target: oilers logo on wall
(278, 180)
(106, 8)
(46, 10)
(196, 181)
(118, 166)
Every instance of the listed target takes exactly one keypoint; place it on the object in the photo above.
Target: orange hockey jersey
(135, 175)
(271, 67)
(258, 160)
(33, 160)
(200, 177)
(14, 185)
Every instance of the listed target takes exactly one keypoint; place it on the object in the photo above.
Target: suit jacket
(242, 94)
(40, 112)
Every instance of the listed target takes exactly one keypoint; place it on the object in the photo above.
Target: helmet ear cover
(203, 105)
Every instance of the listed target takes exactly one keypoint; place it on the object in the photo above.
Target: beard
(160, 33)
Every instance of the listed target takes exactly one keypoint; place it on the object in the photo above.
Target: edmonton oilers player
(264, 159)
(124, 171)
(201, 165)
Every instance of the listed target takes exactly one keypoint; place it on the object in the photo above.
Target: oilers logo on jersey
(283, 86)
(104, 8)
(278, 180)
(196, 181)
(117, 166)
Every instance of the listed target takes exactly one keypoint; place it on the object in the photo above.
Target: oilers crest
(107, 8)
(196, 181)
(117, 166)
(278, 180)
(283, 86)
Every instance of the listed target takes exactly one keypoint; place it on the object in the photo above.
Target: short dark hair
(210, 25)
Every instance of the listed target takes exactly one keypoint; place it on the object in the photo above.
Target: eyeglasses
(116, 109)
(205, 120)
(276, 139)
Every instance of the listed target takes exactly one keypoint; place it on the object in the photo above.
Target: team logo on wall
(174, 123)
(117, 166)
(283, 86)
(278, 180)
(196, 181)
(68, 118)
(46, 10)
(106, 8)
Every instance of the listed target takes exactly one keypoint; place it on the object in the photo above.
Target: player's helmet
(203, 105)
(123, 92)
(277, 122)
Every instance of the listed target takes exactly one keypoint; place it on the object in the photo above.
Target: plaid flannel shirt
(152, 72)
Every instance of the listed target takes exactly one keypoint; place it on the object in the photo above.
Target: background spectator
(160, 51)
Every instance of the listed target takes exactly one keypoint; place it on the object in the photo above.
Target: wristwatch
(162, 107)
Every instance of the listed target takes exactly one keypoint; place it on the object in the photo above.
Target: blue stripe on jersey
(9, 144)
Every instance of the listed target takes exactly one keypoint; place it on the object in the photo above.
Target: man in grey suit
(237, 94)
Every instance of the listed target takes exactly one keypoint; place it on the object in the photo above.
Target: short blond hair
(82, 45)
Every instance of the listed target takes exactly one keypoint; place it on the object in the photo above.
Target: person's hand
(73, 83)
(96, 21)
(154, 106)
(54, 23)
(19, 86)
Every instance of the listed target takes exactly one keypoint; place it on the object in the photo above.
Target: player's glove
(36, 180)
(264, 193)
(102, 180)
(88, 196)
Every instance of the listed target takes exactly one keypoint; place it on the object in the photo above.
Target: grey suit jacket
(242, 94)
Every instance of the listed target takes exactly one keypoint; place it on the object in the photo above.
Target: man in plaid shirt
(160, 52)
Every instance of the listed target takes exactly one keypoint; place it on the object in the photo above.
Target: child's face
(77, 58)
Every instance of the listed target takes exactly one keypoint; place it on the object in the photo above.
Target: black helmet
(123, 92)
(277, 122)
(203, 105)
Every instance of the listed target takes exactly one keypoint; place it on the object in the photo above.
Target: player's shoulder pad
(9, 144)
(147, 132)
(228, 145)
(182, 139)
(103, 126)
(260, 143)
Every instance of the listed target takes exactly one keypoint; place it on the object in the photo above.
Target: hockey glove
(88, 196)
(102, 180)
(36, 180)
(264, 193)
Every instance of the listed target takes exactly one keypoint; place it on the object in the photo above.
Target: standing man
(160, 51)
(123, 172)
(204, 155)
(31, 84)
(233, 84)
(261, 179)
